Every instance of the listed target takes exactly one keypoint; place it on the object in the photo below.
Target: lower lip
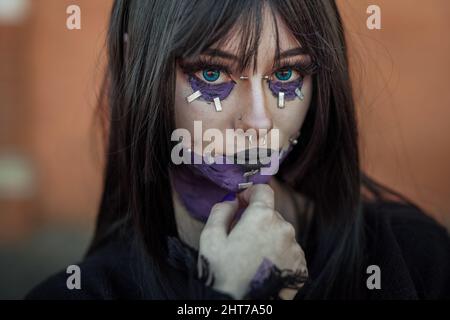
(264, 157)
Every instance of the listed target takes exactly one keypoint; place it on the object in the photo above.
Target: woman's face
(251, 103)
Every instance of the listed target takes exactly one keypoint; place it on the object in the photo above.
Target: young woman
(317, 229)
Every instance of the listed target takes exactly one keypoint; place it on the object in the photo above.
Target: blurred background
(50, 148)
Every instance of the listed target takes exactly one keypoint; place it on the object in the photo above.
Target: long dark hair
(140, 86)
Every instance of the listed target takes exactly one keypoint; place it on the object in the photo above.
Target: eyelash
(202, 63)
(303, 67)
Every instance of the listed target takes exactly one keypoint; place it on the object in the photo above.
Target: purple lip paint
(200, 186)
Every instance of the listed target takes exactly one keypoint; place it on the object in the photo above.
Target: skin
(251, 105)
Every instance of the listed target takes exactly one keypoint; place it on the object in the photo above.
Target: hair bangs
(213, 24)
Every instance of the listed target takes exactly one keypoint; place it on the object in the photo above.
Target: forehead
(274, 36)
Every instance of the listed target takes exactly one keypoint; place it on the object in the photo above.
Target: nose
(255, 112)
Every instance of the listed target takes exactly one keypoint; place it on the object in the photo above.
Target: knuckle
(285, 230)
(259, 205)
(264, 188)
(289, 230)
(205, 251)
(263, 212)
(217, 207)
(302, 268)
(207, 235)
(298, 252)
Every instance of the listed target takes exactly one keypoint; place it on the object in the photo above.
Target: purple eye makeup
(210, 80)
(209, 91)
(286, 90)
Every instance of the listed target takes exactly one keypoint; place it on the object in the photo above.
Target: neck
(287, 203)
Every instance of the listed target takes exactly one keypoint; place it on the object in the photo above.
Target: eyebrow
(229, 56)
(292, 52)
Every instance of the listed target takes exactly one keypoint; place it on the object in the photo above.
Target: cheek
(290, 119)
(198, 110)
(186, 113)
(181, 106)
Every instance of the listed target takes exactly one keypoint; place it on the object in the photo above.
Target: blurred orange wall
(401, 78)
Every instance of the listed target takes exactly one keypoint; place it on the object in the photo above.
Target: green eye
(211, 75)
(284, 75)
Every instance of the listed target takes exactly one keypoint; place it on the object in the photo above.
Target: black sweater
(410, 248)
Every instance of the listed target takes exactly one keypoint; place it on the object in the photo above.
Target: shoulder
(407, 223)
(106, 274)
(413, 248)
(121, 270)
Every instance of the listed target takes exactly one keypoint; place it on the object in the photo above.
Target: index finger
(220, 217)
(258, 194)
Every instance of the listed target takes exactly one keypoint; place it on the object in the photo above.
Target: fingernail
(229, 197)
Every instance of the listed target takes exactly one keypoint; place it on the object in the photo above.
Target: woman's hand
(235, 256)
